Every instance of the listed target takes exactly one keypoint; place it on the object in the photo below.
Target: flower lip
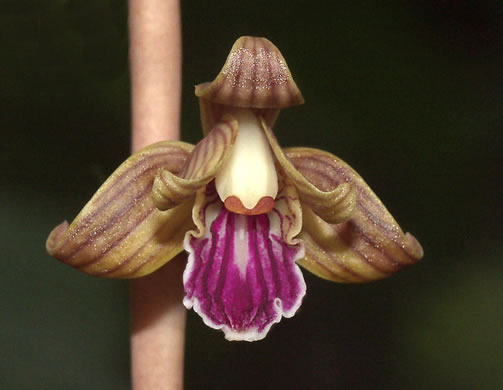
(242, 275)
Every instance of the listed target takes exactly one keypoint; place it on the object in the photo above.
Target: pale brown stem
(155, 58)
(157, 312)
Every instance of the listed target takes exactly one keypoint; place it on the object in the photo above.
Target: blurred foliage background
(409, 93)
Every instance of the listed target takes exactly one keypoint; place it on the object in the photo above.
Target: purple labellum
(241, 275)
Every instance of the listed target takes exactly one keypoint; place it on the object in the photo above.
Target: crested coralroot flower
(247, 212)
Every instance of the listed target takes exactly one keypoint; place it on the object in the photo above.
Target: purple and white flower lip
(241, 274)
(246, 211)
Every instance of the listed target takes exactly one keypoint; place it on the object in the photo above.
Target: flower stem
(157, 312)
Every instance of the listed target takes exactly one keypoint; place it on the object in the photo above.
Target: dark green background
(409, 93)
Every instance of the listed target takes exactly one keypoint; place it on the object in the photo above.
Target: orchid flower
(247, 212)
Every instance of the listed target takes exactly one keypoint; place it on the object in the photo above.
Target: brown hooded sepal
(255, 75)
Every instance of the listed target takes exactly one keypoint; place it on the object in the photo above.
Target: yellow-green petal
(334, 201)
(368, 246)
(172, 188)
(120, 233)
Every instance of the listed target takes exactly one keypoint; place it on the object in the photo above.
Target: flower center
(247, 183)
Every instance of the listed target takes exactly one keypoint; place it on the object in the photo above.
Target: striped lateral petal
(368, 246)
(241, 275)
(172, 188)
(120, 233)
(332, 201)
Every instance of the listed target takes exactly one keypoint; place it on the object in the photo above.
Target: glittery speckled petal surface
(254, 75)
(120, 233)
(369, 245)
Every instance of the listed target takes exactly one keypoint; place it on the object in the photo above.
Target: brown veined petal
(254, 75)
(368, 246)
(333, 201)
(171, 189)
(288, 206)
(120, 233)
